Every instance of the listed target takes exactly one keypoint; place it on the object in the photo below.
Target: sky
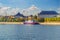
(43, 4)
(26, 4)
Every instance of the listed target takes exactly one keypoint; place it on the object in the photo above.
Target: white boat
(30, 22)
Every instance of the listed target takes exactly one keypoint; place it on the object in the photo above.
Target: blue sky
(42, 4)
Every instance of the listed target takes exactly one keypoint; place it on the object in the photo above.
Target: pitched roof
(48, 13)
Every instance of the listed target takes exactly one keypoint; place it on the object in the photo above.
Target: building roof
(48, 13)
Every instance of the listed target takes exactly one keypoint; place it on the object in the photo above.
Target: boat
(30, 22)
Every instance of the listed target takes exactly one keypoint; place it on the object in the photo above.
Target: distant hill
(48, 13)
(19, 15)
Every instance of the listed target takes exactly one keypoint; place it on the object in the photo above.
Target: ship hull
(31, 23)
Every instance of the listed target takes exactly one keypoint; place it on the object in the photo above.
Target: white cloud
(33, 10)
(4, 10)
(8, 11)
(33, 7)
(13, 11)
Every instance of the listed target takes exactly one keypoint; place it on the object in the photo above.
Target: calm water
(29, 32)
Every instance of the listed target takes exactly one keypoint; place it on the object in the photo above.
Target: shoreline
(50, 23)
(41, 23)
(11, 22)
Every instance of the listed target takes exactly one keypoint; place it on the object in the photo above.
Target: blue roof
(48, 13)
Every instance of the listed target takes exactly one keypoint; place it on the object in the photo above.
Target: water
(29, 32)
